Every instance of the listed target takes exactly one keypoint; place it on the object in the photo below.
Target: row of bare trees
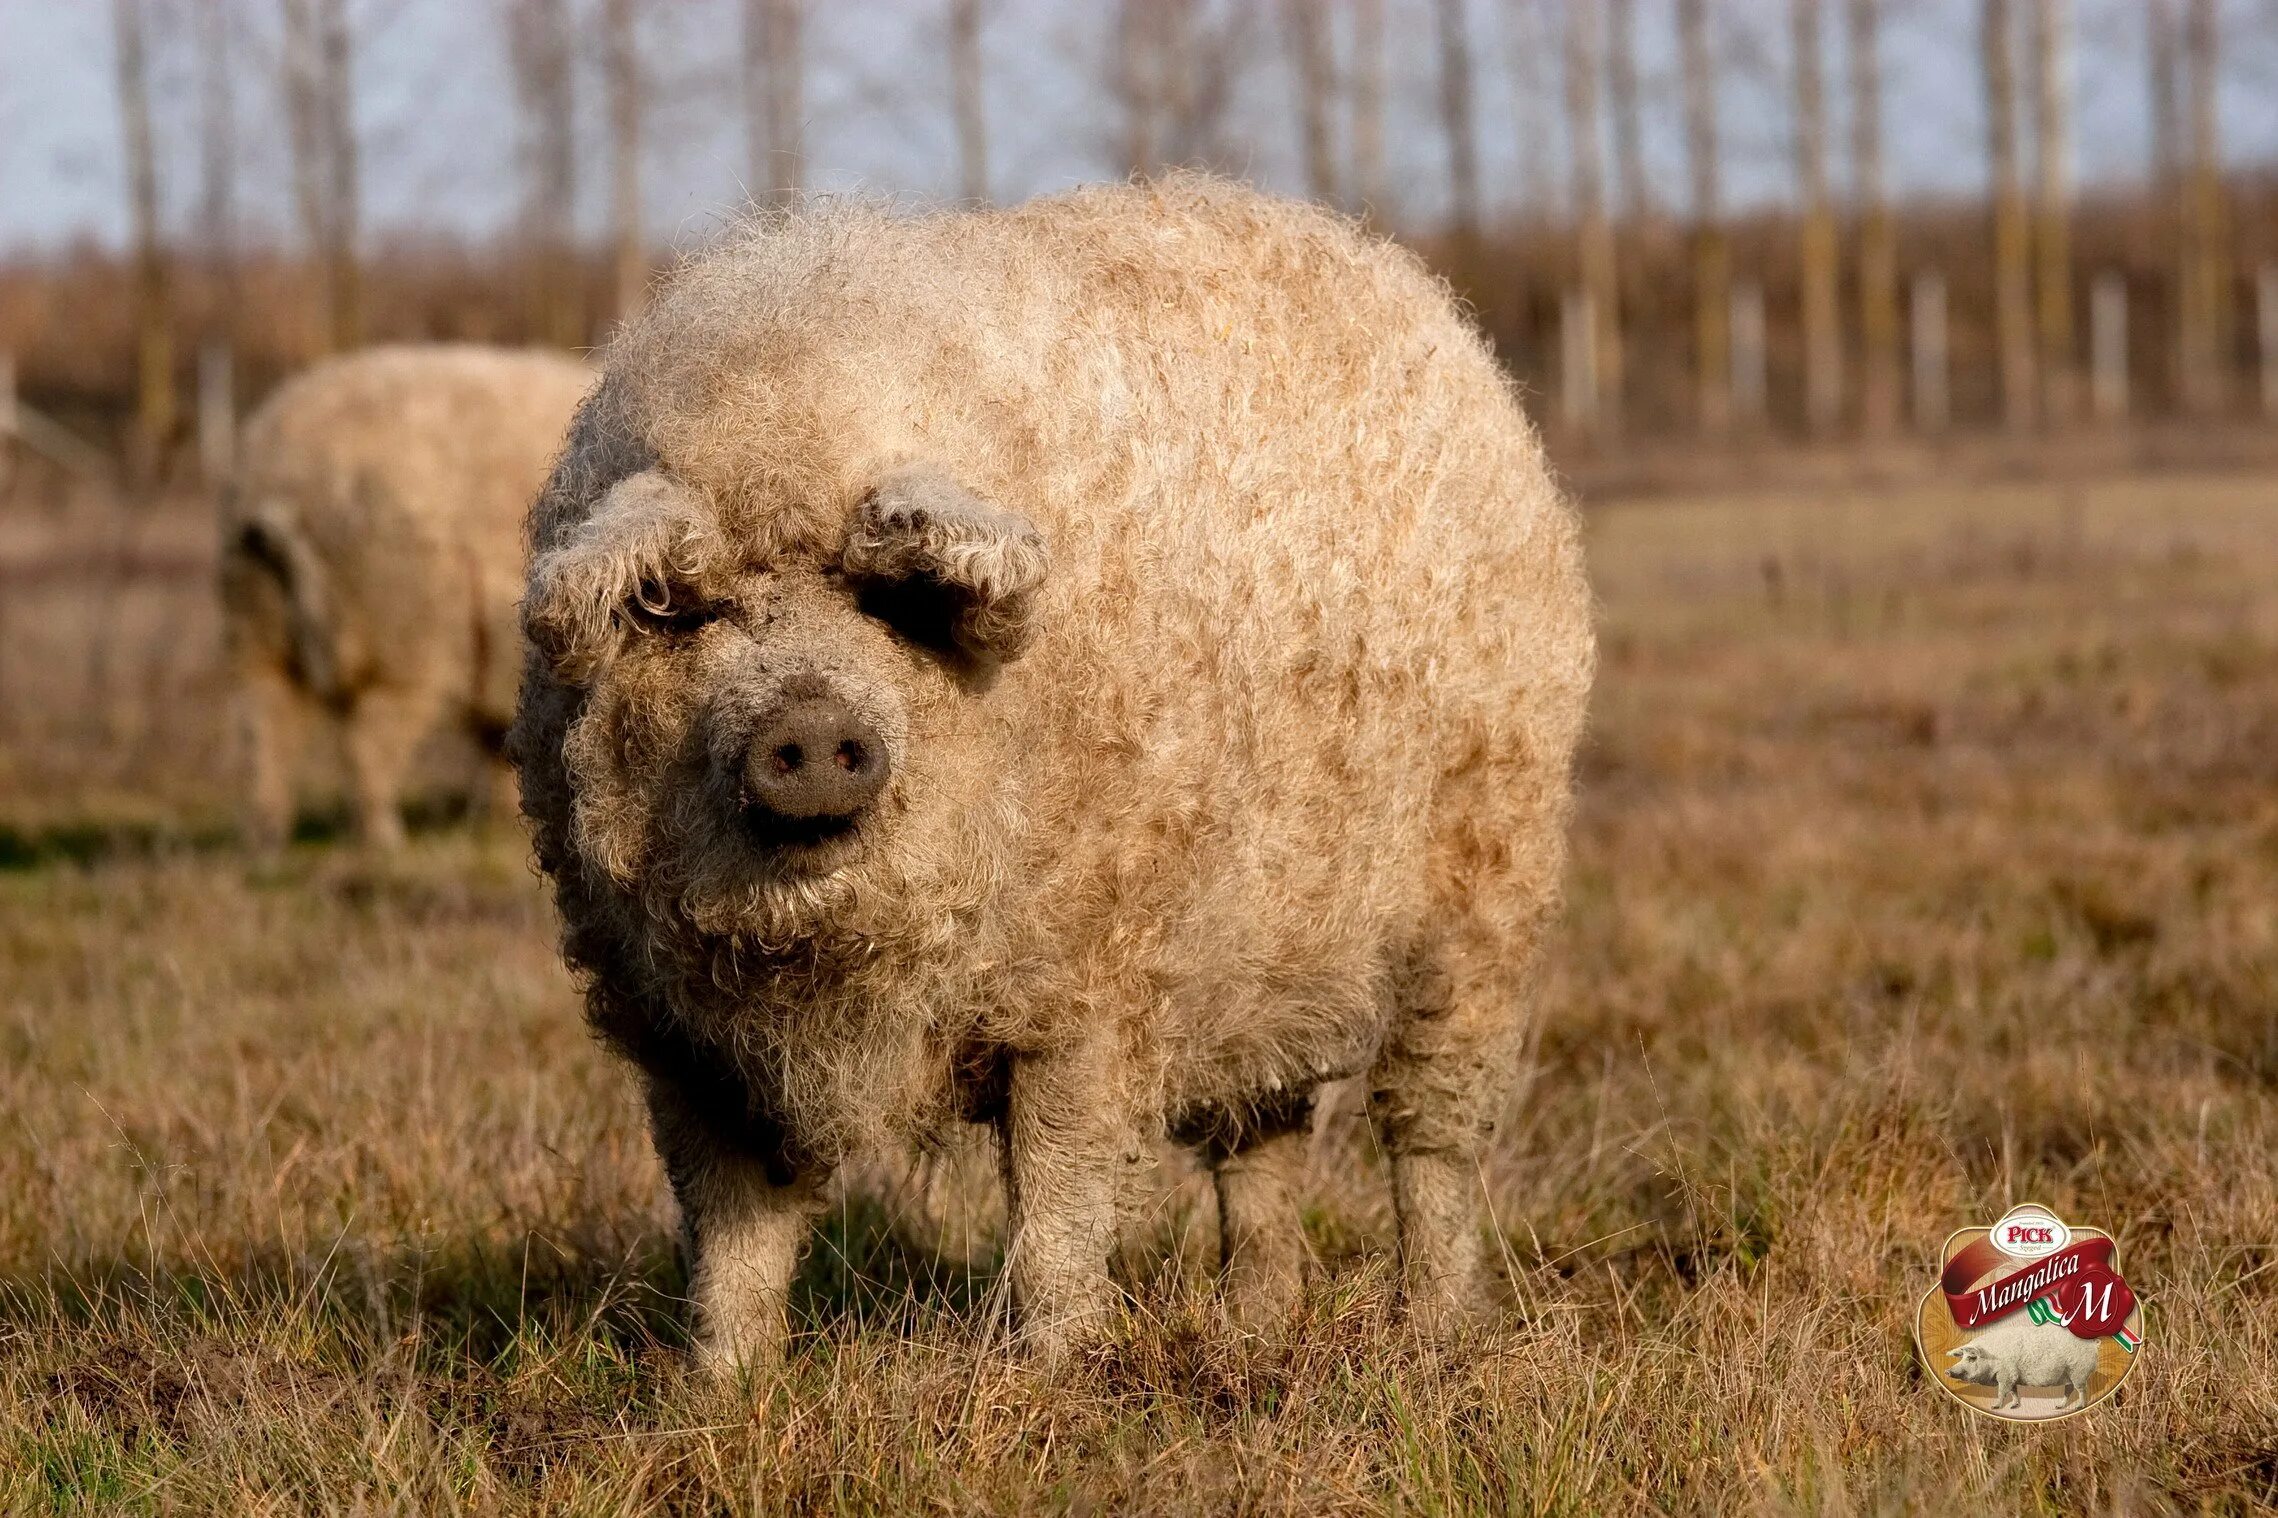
(1173, 72)
(311, 49)
(313, 62)
(2031, 209)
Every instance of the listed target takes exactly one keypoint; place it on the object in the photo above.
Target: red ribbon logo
(2077, 1287)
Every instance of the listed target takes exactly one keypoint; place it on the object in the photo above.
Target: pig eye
(920, 609)
(659, 606)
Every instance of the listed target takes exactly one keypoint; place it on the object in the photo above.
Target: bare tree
(1594, 241)
(1822, 334)
(967, 99)
(1143, 44)
(1366, 179)
(2052, 241)
(541, 48)
(1175, 65)
(621, 62)
(343, 191)
(302, 77)
(217, 237)
(2012, 242)
(1532, 54)
(319, 114)
(774, 80)
(153, 304)
(1628, 119)
(217, 159)
(1878, 256)
(1712, 252)
(1305, 27)
(2206, 271)
(2163, 50)
(1457, 124)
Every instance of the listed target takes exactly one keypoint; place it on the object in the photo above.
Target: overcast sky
(441, 141)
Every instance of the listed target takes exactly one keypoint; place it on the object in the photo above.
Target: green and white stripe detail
(2040, 1311)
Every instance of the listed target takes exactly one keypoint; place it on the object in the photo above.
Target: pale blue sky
(437, 123)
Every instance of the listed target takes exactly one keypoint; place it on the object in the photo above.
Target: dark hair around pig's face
(764, 744)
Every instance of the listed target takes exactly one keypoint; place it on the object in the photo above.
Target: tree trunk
(539, 48)
(217, 237)
(1457, 124)
(2012, 235)
(2266, 335)
(1533, 52)
(1750, 386)
(1367, 177)
(2108, 347)
(623, 64)
(1933, 406)
(2161, 50)
(2206, 282)
(343, 275)
(217, 166)
(304, 126)
(2052, 135)
(1306, 30)
(1140, 67)
(967, 100)
(2163, 53)
(153, 305)
(1878, 255)
(1712, 256)
(774, 96)
(1577, 360)
(1822, 333)
(1628, 121)
(1594, 243)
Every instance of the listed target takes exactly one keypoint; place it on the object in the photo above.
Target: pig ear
(650, 536)
(946, 566)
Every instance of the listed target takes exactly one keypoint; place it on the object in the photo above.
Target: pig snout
(814, 762)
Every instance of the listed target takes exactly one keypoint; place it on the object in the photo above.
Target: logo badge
(2029, 1320)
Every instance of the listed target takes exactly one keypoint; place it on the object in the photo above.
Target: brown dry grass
(1928, 861)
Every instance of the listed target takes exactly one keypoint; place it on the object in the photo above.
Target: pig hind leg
(380, 735)
(1458, 993)
(1432, 1095)
(1448, 1064)
(268, 730)
(1261, 1235)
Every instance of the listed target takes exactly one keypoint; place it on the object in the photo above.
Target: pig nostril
(811, 761)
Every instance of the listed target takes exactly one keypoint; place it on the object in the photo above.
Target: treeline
(1628, 313)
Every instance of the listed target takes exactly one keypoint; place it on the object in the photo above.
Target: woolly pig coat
(408, 472)
(1275, 791)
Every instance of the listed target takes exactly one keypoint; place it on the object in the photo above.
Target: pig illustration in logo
(2022, 1352)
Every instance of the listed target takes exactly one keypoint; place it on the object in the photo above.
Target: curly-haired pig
(371, 558)
(1103, 668)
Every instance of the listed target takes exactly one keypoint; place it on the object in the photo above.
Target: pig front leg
(746, 1215)
(1065, 1144)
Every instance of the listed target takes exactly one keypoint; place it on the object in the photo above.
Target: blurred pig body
(1104, 668)
(371, 557)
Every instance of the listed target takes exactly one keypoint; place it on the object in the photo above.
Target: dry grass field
(1927, 862)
